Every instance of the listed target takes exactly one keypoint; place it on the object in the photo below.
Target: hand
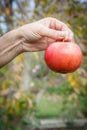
(32, 37)
(38, 35)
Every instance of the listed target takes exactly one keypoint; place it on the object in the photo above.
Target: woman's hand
(32, 37)
(38, 35)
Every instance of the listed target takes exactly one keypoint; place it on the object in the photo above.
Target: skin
(32, 37)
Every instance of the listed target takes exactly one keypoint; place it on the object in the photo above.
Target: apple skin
(63, 57)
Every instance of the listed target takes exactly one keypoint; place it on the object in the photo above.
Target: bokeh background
(29, 91)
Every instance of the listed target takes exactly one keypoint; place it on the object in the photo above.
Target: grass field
(48, 108)
(54, 103)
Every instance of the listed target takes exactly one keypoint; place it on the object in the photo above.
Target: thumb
(54, 34)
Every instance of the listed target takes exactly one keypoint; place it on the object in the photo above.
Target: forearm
(10, 47)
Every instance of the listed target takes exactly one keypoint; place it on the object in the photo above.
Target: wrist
(11, 41)
(17, 41)
(10, 47)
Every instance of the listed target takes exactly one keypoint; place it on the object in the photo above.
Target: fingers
(57, 25)
(55, 34)
(64, 27)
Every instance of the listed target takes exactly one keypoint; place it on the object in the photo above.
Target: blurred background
(30, 93)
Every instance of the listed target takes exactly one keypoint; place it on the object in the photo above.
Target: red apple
(63, 57)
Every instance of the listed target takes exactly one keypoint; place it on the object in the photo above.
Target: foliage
(14, 108)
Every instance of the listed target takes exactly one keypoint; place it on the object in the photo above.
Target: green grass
(48, 109)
